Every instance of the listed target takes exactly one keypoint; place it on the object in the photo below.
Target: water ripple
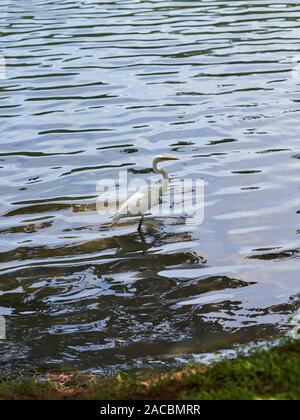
(93, 88)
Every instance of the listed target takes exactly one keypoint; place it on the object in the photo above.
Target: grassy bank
(265, 374)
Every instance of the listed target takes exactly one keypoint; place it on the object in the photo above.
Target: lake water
(91, 88)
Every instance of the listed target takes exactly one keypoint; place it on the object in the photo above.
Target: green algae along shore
(272, 373)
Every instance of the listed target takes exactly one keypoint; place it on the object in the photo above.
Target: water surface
(92, 88)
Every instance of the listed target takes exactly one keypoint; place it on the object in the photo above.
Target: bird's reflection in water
(133, 243)
(147, 248)
(140, 240)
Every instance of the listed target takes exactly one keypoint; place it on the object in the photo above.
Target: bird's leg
(140, 224)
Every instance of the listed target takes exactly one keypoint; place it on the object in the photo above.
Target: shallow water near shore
(94, 88)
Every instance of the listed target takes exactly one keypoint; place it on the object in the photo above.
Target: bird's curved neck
(161, 171)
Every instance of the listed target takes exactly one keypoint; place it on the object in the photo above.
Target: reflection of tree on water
(111, 305)
(106, 302)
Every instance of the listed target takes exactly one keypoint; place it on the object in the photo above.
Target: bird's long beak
(170, 158)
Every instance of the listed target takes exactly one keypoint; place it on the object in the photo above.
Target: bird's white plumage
(141, 201)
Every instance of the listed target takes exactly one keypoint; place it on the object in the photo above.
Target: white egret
(140, 202)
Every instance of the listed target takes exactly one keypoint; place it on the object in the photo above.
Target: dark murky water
(93, 87)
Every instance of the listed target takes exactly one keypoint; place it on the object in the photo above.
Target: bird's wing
(140, 202)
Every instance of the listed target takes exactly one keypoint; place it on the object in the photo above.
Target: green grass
(264, 374)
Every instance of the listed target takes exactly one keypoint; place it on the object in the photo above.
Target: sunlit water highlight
(92, 88)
